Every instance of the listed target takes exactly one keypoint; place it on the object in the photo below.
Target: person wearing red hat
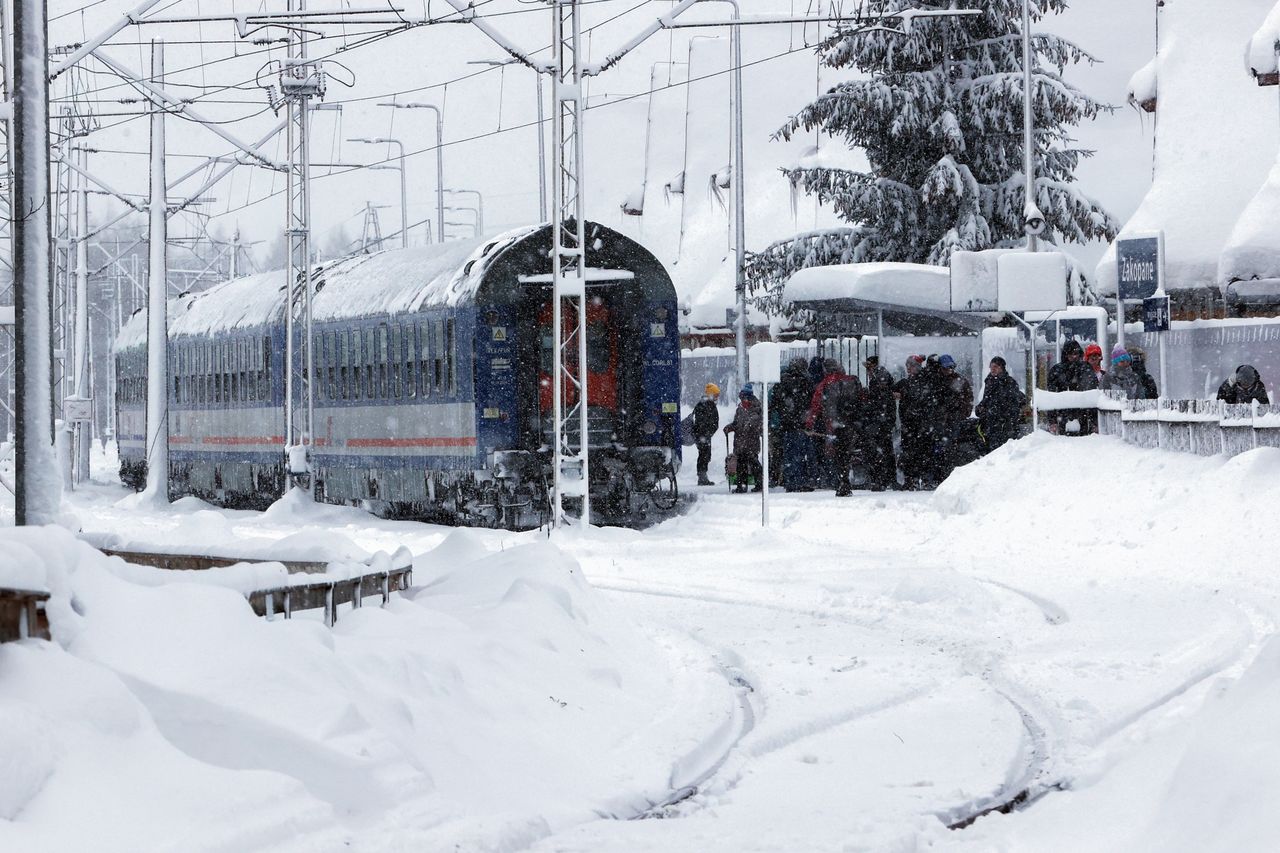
(1093, 358)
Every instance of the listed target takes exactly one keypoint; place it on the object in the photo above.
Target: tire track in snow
(1053, 614)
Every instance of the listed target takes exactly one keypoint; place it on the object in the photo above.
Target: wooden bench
(22, 614)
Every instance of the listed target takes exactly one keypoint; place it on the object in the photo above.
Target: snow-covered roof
(1264, 47)
(1215, 137)
(1253, 249)
(393, 282)
(895, 285)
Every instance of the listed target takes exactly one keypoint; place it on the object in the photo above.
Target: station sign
(1139, 266)
(1155, 314)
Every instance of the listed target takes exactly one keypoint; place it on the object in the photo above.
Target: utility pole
(38, 493)
(542, 155)
(157, 435)
(300, 81)
(571, 471)
(83, 389)
(1033, 218)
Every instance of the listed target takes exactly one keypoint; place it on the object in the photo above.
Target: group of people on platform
(1081, 370)
(823, 421)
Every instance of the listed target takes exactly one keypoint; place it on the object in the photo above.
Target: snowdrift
(166, 716)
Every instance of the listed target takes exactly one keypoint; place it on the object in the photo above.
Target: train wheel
(665, 493)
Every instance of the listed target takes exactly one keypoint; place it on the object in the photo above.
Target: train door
(602, 356)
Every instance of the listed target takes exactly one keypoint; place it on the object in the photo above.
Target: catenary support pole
(83, 431)
(157, 435)
(38, 490)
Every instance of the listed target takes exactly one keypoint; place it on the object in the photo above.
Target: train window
(410, 357)
(437, 356)
(599, 346)
(242, 356)
(451, 355)
(370, 388)
(251, 369)
(356, 359)
(424, 359)
(330, 365)
(382, 362)
(266, 369)
(395, 357)
(343, 391)
(317, 365)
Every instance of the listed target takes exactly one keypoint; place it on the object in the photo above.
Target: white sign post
(1032, 281)
(766, 366)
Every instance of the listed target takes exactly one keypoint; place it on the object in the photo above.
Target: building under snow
(1216, 137)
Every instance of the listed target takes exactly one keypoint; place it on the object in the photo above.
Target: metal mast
(569, 265)
(300, 81)
(38, 495)
(157, 433)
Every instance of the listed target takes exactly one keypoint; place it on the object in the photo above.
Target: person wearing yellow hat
(706, 422)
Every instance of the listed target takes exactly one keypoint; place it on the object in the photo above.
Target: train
(431, 386)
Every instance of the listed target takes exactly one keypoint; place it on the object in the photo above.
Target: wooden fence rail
(22, 614)
(329, 594)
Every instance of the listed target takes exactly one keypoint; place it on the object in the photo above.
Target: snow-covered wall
(1216, 134)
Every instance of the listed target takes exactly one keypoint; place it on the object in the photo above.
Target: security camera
(1034, 222)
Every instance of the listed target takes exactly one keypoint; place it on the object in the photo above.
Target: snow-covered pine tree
(939, 116)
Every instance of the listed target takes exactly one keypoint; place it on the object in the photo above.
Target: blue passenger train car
(431, 386)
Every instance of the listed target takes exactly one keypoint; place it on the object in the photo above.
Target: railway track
(1036, 774)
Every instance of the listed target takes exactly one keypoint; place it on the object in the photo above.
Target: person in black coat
(937, 407)
(1000, 411)
(706, 421)
(1147, 382)
(910, 391)
(1072, 374)
(1244, 386)
(877, 423)
(789, 403)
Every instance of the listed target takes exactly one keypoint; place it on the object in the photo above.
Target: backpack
(843, 400)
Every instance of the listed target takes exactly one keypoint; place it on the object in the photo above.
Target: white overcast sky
(488, 145)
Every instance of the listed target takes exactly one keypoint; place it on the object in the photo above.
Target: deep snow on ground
(1080, 618)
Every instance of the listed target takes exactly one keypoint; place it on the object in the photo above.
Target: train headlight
(649, 427)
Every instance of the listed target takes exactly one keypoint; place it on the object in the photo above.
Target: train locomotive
(431, 384)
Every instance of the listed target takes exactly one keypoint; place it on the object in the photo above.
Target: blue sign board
(1138, 266)
(1155, 314)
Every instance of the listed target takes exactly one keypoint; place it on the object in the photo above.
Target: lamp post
(739, 198)
(404, 194)
(439, 155)
(1033, 218)
(474, 225)
(542, 136)
(479, 208)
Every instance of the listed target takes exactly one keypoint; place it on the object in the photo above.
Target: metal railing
(1203, 427)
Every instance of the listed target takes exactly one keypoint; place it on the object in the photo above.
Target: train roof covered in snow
(396, 281)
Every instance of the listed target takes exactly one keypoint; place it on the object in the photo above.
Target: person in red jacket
(834, 411)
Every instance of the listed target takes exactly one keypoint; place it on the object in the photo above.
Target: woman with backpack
(834, 412)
